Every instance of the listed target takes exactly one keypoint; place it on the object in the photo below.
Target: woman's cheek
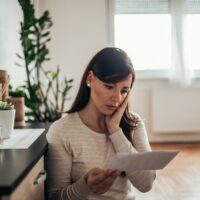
(98, 95)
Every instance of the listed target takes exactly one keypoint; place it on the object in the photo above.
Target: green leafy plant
(6, 106)
(18, 92)
(45, 100)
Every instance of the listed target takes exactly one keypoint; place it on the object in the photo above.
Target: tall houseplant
(44, 100)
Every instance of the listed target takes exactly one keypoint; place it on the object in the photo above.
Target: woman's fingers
(111, 178)
(99, 180)
(104, 186)
(101, 176)
(113, 121)
(122, 107)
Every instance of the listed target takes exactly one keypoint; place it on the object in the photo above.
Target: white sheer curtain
(180, 72)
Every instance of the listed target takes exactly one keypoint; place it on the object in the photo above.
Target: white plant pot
(7, 118)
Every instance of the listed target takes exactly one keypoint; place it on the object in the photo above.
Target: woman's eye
(110, 87)
(124, 92)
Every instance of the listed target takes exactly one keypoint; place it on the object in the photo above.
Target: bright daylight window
(143, 28)
(146, 38)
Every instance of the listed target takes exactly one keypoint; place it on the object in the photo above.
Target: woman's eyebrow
(109, 83)
(115, 84)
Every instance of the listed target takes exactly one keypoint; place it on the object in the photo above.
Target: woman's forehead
(126, 81)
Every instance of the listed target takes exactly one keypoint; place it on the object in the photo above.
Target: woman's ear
(90, 77)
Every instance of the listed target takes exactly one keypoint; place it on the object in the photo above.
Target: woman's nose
(117, 97)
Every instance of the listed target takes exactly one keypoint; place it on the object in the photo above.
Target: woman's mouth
(111, 108)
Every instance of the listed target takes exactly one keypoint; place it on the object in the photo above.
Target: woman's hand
(113, 121)
(99, 180)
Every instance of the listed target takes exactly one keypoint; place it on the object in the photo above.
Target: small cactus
(6, 106)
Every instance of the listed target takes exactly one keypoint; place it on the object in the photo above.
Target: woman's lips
(112, 108)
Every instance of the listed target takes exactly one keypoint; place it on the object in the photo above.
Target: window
(146, 38)
(143, 29)
(159, 35)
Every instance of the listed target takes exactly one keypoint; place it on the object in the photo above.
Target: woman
(98, 125)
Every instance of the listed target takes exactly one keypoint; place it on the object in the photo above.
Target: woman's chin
(109, 112)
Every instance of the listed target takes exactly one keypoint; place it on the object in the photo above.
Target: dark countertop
(16, 163)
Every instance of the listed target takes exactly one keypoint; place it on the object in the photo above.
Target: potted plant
(17, 97)
(44, 100)
(7, 117)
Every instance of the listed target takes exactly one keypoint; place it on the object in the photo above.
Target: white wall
(10, 18)
(79, 31)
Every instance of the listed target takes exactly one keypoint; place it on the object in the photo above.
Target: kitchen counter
(15, 164)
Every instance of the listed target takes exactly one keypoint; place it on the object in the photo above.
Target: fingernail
(118, 173)
(109, 171)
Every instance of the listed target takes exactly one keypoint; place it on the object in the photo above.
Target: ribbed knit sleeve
(142, 180)
(120, 142)
(59, 163)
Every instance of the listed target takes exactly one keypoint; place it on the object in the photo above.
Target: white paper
(141, 161)
(21, 138)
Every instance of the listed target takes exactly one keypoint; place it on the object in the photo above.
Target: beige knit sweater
(73, 149)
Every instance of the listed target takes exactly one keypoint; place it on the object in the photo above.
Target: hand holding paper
(141, 161)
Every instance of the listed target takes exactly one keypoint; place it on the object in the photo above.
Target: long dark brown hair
(110, 65)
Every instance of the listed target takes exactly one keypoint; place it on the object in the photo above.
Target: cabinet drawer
(28, 188)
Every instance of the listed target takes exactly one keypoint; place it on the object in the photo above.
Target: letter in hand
(100, 180)
(113, 121)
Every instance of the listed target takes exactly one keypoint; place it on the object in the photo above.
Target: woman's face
(107, 97)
